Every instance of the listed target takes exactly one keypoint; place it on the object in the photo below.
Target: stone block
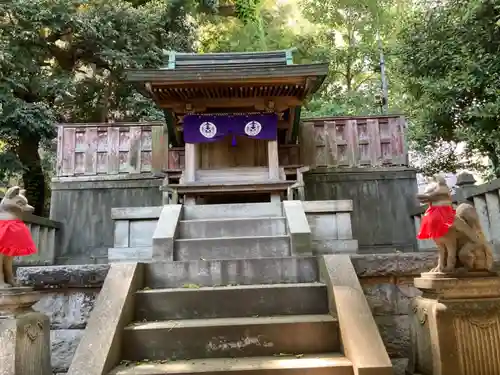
(24, 334)
(298, 227)
(399, 264)
(68, 309)
(166, 231)
(399, 365)
(404, 296)
(63, 343)
(395, 332)
(382, 298)
(76, 276)
(100, 346)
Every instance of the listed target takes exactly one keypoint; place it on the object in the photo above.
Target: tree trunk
(33, 177)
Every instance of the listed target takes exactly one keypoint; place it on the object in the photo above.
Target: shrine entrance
(231, 113)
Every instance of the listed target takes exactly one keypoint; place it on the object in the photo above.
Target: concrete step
(319, 364)
(235, 210)
(234, 227)
(231, 301)
(231, 337)
(218, 272)
(232, 247)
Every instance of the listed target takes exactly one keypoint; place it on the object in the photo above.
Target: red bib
(15, 239)
(436, 222)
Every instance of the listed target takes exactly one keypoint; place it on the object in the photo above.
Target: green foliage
(449, 57)
(64, 60)
(247, 11)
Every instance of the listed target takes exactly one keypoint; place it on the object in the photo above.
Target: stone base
(24, 334)
(456, 325)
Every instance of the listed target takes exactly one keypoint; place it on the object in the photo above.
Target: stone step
(231, 337)
(231, 247)
(231, 301)
(319, 364)
(234, 227)
(218, 272)
(231, 211)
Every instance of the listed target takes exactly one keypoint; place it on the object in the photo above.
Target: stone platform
(456, 325)
(24, 334)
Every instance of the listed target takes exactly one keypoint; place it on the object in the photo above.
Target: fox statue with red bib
(15, 237)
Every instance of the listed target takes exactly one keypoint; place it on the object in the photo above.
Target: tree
(63, 60)
(347, 33)
(449, 58)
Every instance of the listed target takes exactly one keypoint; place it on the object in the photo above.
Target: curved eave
(247, 74)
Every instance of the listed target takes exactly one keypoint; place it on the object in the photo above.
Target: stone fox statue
(15, 237)
(457, 233)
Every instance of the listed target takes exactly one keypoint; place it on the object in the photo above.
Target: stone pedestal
(24, 334)
(456, 325)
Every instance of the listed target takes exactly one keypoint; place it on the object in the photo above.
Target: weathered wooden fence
(354, 141)
(133, 148)
(486, 200)
(46, 236)
(110, 149)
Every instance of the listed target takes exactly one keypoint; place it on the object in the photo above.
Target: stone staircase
(279, 328)
(225, 231)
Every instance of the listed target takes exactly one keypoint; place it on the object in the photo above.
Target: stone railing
(486, 200)
(133, 233)
(45, 234)
(331, 228)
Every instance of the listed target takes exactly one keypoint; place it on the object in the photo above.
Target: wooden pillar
(190, 166)
(273, 161)
(274, 166)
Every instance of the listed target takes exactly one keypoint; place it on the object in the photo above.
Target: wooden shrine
(239, 167)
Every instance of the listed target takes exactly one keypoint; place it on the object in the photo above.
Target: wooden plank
(68, 152)
(482, 211)
(352, 142)
(90, 155)
(159, 148)
(307, 145)
(113, 153)
(327, 206)
(274, 165)
(344, 228)
(396, 141)
(493, 207)
(363, 144)
(60, 151)
(331, 142)
(134, 152)
(375, 147)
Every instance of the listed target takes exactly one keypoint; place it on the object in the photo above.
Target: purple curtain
(210, 128)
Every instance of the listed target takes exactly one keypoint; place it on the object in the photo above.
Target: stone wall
(85, 209)
(383, 201)
(70, 291)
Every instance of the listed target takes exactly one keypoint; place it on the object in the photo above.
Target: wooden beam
(260, 104)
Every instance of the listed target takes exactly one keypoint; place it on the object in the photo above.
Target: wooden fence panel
(354, 141)
(110, 149)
